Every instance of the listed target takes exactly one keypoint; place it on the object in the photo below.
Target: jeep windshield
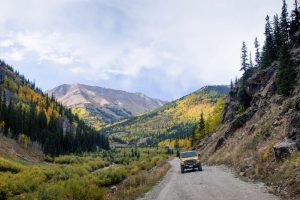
(188, 154)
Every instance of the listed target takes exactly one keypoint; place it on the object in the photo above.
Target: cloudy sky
(164, 48)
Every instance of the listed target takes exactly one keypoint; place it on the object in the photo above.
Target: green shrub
(111, 176)
(8, 166)
(23, 140)
(95, 165)
(68, 159)
(71, 189)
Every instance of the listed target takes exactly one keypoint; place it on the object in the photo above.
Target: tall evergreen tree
(295, 21)
(257, 52)
(269, 53)
(231, 85)
(250, 60)
(244, 99)
(244, 57)
(201, 126)
(284, 22)
(277, 36)
(286, 75)
(202, 122)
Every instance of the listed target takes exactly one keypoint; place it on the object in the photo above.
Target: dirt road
(213, 183)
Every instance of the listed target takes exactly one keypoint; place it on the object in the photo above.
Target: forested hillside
(31, 117)
(176, 120)
(260, 131)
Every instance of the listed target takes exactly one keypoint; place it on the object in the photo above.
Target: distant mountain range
(99, 106)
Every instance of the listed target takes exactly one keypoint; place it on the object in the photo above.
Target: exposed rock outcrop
(284, 148)
(260, 87)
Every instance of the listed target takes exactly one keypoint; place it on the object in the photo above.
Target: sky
(163, 48)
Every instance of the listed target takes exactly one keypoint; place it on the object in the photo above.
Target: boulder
(276, 123)
(242, 173)
(113, 189)
(284, 148)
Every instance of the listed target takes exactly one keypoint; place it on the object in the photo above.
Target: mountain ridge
(99, 106)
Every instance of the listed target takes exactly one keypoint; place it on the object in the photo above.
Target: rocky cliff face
(263, 141)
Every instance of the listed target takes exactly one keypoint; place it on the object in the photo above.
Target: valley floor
(111, 175)
(213, 183)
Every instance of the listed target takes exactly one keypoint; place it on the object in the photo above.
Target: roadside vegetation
(87, 176)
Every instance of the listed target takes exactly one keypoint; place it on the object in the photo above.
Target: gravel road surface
(213, 183)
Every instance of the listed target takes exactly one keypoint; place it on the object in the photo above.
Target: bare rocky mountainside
(261, 142)
(99, 106)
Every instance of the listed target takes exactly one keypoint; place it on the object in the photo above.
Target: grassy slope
(175, 119)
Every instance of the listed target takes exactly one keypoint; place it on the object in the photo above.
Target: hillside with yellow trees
(31, 117)
(176, 123)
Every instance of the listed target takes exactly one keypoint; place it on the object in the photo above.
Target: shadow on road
(190, 171)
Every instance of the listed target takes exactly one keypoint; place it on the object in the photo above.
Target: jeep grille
(190, 162)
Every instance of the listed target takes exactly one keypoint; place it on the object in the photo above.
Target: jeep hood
(189, 158)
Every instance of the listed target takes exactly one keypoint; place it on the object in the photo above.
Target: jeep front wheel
(182, 170)
(200, 167)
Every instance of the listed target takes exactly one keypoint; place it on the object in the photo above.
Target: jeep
(190, 160)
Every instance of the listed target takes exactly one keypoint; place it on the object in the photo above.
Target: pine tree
(193, 136)
(295, 21)
(236, 82)
(277, 36)
(269, 53)
(244, 57)
(257, 52)
(250, 60)
(284, 22)
(201, 126)
(286, 76)
(244, 99)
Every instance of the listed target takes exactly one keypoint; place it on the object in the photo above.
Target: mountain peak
(108, 104)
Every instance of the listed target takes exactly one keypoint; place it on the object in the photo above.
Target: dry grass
(136, 185)
(9, 148)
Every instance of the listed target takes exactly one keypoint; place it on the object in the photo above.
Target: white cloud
(7, 43)
(191, 43)
(14, 55)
